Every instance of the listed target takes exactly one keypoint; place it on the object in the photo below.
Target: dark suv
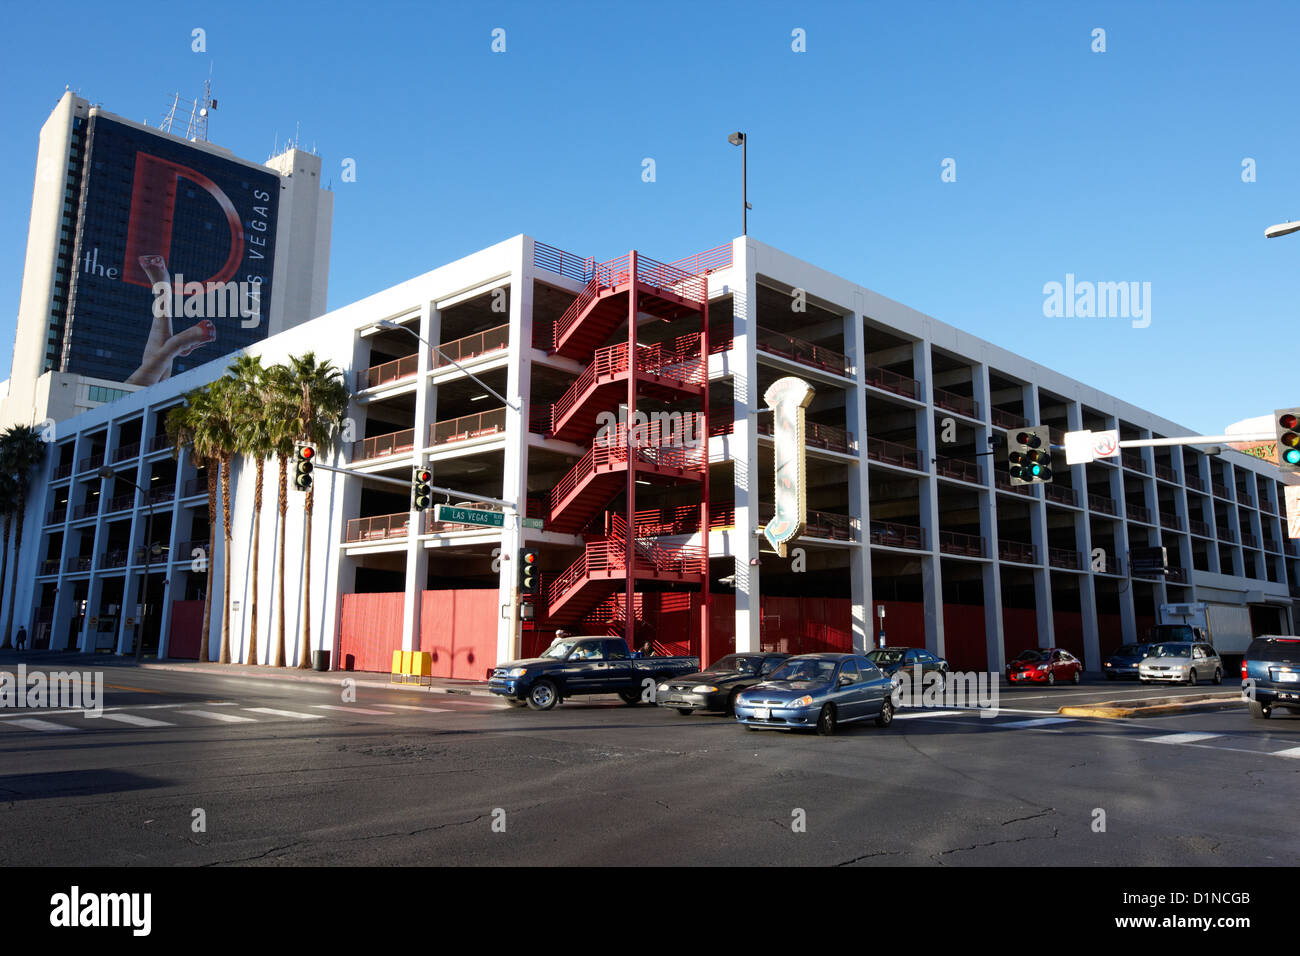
(1270, 674)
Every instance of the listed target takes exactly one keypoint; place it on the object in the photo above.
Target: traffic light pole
(472, 496)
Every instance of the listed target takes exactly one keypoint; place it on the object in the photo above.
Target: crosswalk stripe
(215, 715)
(1039, 722)
(284, 713)
(1293, 752)
(135, 720)
(430, 710)
(1180, 738)
(45, 726)
(353, 710)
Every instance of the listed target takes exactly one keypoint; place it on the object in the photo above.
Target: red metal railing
(1133, 460)
(1195, 482)
(379, 527)
(819, 524)
(1166, 473)
(892, 453)
(1226, 533)
(711, 260)
(472, 346)
(124, 452)
(160, 442)
(1055, 435)
(62, 471)
(954, 542)
(380, 446)
(1138, 513)
(610, 555)
(1063, 558)
(895, 535)
(1017, 551)
(1061, 494)
(814, 433)
(1006, 419)
(1249, 540)
(953, 402)
(392, 371)
(881, 377)
(91, 461)
(1199, 528)
(960, 469)
(1104, 505)
(85, 510)
(1221, 490)
(614, 454)
(467, 427)
(1170, 519)
(114, 559)
(57, 516)
(119, 502)
(805, 353)
(1003, 483)
(78, 564)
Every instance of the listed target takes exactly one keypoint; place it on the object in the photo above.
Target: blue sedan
(819, 692)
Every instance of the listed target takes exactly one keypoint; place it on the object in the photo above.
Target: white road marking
(465, 699)
(350, 709)
(929, 713)
(284, 713)
(431, 710)
(45, 726)
(134, 720)
(216, 715)
(1293, 752)
(1040, 722)
(1180, 738)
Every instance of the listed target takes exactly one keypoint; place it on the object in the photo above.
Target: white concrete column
(863, 616)
(514, 472)
(417, 557)
(927, 444)
(744, 446)
(994, 643)
(1083, 540)
(1127, 610)
(1038, 537)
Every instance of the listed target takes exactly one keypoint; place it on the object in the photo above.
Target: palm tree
(282, 437)
(214, 436)
(310, 396)
(256, 440)
(182, 426)
(23, 450)
(8, 502)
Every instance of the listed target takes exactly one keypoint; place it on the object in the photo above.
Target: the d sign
(788, 397)
(153, 206)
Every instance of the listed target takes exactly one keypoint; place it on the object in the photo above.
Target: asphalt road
(288, 773)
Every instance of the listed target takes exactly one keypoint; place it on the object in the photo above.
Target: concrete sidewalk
(63, 659)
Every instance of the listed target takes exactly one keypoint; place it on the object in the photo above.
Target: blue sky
(1117, 166)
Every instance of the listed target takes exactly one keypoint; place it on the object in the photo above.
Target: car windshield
(738, 663)
(1171, 650)
(1131, 650)
(810, 670)
(1031, 656)
(559, 650)
(885, 656)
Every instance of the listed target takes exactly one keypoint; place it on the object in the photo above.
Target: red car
(1045, 666)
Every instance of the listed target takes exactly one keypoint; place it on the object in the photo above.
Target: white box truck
(1226, 626)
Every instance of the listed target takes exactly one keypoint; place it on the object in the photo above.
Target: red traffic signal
(1286, 423)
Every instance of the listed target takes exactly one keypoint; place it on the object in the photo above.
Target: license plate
(762, 713)
(1289, 677)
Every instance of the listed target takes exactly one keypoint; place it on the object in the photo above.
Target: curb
(471, 689)
(1116, 709)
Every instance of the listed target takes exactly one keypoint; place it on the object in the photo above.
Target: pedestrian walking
(20, 639)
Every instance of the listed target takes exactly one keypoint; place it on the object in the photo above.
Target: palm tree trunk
(4, 572)
(205, 644)
(257, 545)
(224, 656)
(283, 507)
(304, 659)
(21, 517)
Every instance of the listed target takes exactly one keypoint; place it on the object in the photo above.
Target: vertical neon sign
(788, 398)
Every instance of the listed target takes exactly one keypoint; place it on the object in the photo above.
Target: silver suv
(1181, 662)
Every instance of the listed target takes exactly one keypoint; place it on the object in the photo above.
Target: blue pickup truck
(576, 666)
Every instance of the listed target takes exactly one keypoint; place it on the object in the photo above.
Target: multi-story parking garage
(652, 533)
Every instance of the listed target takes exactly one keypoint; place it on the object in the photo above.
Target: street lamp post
(740, 139)
(390, 324)
(108, 472)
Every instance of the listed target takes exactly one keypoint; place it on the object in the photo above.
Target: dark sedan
(818, 691)
(893, 659)
(717, 687)
(1124, 662)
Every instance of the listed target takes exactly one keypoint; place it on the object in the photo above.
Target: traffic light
(305, 455)
(1287, 423)
(527, 571)
(1029, 456)
(421, 492)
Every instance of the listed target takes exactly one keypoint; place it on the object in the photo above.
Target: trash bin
(320, 660)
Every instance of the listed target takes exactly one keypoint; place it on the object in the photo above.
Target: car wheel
(630, 697)
(826, 721)
(886, 713)
(684, 711)
(1191, 677)
(1260, 711)
(1218, 675)
(1078, 676)
(1051, 678)
(543, 695)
